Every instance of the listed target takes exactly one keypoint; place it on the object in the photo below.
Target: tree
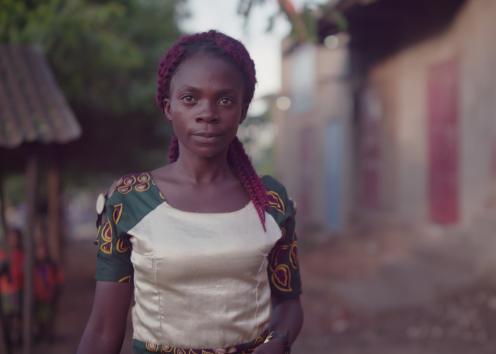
(104, 55)
(304, 22)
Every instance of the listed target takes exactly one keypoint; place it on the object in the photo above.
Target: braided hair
(222, 46)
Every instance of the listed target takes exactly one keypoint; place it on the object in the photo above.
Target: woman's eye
(188, 99)
(225, 101)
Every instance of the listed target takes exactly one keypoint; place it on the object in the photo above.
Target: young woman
(11, 286)
(206, 246)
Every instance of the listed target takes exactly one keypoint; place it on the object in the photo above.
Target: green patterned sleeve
(283, 267)
(113, 262)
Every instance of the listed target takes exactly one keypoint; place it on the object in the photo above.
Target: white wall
(402, 82)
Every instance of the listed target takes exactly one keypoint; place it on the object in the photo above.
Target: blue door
(334, 150)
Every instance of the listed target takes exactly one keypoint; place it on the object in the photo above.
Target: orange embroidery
(126, 184)
(281, 278)
(275, 201)
(259, 340)
(142, 187)
(143, 182)
(106, 247)
(143, 178)
(293, 255)
(140, 183)
(277, 256)
(97, 241)
(122, 246)
(126, 279)
(243, 348)
(107, 231)
(106, 238)
(154, 348)
(117, 213)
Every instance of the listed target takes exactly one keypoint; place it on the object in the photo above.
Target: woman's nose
(208, 114)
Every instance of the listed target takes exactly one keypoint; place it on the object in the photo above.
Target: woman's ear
(243, 115)
(167, 109)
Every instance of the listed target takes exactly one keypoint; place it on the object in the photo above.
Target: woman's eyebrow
(221, 91)
(188, 88)
(227, 90)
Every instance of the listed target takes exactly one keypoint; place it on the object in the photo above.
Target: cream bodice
(200, 279)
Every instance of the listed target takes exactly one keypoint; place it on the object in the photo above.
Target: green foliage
(304, 22)
(104, 54)
(15, 189)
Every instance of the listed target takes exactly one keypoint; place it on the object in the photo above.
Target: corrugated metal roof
(32, 107)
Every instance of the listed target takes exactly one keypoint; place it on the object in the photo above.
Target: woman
(206, 246)
(11, 286)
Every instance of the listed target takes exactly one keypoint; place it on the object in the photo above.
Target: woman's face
(205, 105)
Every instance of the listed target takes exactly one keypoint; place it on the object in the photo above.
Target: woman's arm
(286, 321)
(106, 326)
(287, 317)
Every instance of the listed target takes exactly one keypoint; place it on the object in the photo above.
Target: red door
(443, 142)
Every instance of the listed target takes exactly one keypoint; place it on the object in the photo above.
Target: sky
(265, 48)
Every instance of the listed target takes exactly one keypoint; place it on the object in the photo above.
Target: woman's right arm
(106, 326)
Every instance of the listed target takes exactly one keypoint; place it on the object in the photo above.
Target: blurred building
(394, 120)
(313, 117)
(35, 121)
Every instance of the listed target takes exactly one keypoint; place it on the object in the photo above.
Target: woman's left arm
(285, 325)
(283, 274)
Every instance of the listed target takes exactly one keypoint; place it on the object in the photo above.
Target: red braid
(173, 149)
(243, 169)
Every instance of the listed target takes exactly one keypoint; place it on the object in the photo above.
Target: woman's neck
(198, 171)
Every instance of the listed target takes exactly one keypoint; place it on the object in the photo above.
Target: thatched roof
(32, 107)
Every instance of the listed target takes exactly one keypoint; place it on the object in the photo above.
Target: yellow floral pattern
(245, 348)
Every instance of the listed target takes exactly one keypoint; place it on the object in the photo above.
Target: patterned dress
(203, 282)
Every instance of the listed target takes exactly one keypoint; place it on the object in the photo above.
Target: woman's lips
(207, 137)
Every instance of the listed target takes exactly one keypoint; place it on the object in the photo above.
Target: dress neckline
(177, 210)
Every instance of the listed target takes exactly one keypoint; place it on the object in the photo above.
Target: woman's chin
(211, 152)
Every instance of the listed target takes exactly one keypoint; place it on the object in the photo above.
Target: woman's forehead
(204, 69)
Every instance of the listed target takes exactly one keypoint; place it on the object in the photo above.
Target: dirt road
(361, 296)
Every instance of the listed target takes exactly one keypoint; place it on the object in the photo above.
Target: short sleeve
(113, 262)
(283, 266)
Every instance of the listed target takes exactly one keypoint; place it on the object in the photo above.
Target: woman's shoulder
(129, 199)
(127, 184)
(271, 184)
(277, 195)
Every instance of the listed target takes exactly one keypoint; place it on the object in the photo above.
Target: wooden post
(31, 198)
(3, 217)
(3, 340)
(54, 225)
